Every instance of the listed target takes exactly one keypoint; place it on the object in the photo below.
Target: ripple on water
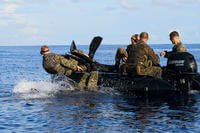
(36, 106)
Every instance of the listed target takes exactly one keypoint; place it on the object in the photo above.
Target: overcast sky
(35, 22)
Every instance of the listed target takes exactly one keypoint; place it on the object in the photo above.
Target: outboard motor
(180, 70)
(182, 63)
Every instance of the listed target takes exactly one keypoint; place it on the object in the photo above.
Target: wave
(42, 89)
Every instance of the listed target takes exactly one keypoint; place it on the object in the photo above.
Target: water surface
(104, 111)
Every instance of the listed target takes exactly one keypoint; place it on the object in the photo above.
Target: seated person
(120, 59)
(134, 40)
(122, 54)
(144, 61)
(178, 46)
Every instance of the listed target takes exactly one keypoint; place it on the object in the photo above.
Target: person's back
(145, 49)
(58, 64)
(132, 53)
(134, 40)
(49, 62)
(146, 61)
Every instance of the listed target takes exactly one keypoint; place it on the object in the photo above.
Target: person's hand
(79, 69)
(163, 53)
(124, 59)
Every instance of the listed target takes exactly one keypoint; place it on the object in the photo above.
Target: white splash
(40, 89)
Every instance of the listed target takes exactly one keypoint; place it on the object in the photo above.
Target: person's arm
(154, 57)
(168, 54)
(69, 63)
(180, 48)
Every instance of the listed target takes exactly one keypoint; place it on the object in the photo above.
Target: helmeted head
(144, 36)
(174, 37)
(135, 38)
(44, 49)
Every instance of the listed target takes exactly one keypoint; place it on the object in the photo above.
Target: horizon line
(12, 45)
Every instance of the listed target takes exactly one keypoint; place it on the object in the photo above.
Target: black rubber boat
(179, 76)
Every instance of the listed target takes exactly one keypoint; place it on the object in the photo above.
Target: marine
(143, 59)
(122, 55)
(59, 64)
(130, 65)
(134, 40)
(178, 46)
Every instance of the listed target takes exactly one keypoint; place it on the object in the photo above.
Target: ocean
(24, 110)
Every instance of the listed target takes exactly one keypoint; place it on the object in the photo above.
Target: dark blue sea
(24, 110)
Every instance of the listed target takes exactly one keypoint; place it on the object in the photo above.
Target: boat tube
(180, 75)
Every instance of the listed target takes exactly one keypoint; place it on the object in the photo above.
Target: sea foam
(41, 89)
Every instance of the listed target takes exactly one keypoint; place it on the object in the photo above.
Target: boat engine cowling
(181, 63)
(181, 71)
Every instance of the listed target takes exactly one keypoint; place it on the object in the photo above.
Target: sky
(37, 22)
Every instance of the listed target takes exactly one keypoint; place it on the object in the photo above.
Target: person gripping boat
(59, 64)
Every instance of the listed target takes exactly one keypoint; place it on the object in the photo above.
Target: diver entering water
(59, 64)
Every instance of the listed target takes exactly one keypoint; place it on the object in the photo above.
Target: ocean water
(29, 102)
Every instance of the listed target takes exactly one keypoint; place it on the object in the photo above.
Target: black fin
(94, 46)
(73, 46)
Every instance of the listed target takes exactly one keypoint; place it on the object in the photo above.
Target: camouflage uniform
(120, 60)
(179, 48)
(131, 60)
(144, 61)
(58, 64)
(89, 81)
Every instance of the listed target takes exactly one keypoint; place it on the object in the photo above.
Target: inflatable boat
(180, 75)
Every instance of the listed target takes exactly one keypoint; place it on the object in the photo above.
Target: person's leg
(121, 54)
(93, 81)
(83, 81)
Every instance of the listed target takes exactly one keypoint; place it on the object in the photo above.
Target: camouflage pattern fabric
(120, 59)
(179, 48)
(121, 55)
(148, 61)
(148, 52)
(57, 64)
(153, 71)
(89, 81)
(83, 81)
(93, 81)
(145, 67)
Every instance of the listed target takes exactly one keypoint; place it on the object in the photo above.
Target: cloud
(174, 3)
(136, 4)
(10, 8)
(129, 4)
(31, 30)
(11, 17)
